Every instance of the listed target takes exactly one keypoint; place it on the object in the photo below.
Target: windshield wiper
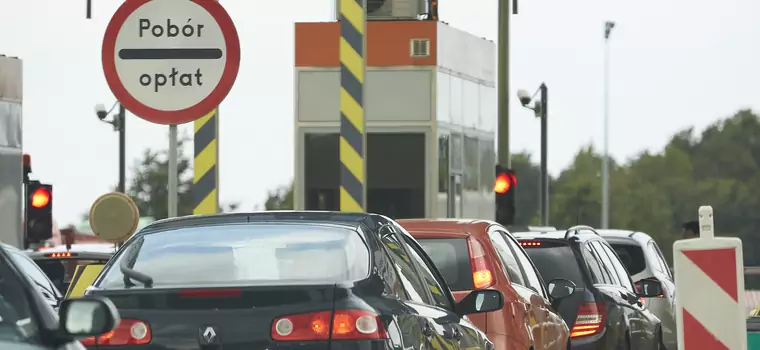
(128, 262)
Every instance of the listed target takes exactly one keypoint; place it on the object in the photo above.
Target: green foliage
(280, 199)
(149, 186)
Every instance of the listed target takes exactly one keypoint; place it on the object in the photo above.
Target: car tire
(660, 340)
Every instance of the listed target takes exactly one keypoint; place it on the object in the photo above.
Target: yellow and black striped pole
(206, 164)
(353, 24)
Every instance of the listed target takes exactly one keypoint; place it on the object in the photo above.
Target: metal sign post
(171, 62)
(173, 175)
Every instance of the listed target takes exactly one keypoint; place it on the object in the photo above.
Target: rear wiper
(128, 262)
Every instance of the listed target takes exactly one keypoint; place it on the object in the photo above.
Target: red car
(479, 254)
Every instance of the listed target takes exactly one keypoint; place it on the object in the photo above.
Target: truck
(11, 154)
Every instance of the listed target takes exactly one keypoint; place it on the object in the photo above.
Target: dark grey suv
(603, 310)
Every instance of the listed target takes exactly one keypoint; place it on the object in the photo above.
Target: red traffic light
(40, 198)
(504, 182)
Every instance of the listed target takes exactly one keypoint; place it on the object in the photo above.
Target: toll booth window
(443, 163)
(456, 152)
(10, 120)
(487, 164)
(471, 159)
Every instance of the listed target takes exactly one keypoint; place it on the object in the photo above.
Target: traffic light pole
(503, 154)
(544, 151)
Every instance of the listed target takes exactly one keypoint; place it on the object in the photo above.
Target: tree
(528, 176)
(280, 199)
(149, 186)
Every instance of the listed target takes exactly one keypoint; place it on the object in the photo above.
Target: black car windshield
(257, 254)
(555, 260)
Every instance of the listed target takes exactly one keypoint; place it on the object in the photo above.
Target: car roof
(625, 236)
(10, 248)
(82, 248)
(289, 216)
(583, 233)
(430, 228)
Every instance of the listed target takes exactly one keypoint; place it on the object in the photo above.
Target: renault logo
(207, 335)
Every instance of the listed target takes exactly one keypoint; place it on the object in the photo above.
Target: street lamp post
(541, 110)
(608, 26)
(118, 123)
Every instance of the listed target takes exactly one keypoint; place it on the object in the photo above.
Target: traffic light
(504, 191)
(39, 212)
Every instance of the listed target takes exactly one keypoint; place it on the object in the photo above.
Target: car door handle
(427, 330)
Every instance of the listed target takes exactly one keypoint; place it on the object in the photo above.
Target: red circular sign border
(231, 68)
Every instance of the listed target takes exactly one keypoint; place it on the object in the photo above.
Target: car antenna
(129, 261)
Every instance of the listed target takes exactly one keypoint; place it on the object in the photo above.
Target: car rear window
(632, 257)
(452, 258)
(554, 260)
(260, 254)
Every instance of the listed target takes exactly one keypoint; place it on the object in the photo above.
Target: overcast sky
(675, 63)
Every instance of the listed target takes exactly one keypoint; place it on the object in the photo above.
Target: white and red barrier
(709, 278)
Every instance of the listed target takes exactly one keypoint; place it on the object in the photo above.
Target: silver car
(649, 270)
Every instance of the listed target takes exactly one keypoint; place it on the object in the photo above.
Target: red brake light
(346, 325)
(503, 183)
(60, 255)
(128, 332)
(589, 321)
(530, 244)
(40, 198)
(482, 275)
(210, 293)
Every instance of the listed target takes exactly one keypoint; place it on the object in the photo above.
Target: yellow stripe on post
(206, 164)
(353, 138)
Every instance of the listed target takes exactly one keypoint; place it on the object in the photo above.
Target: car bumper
(595, 342)
(380, 344)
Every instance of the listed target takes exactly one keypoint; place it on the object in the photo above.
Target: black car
(59, 265)
(27, 322)
(604, 311)
(283, 280)
(42, 283)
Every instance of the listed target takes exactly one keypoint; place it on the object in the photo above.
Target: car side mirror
(87, 317)
(648, 288)
(560, 288)
(478, 301)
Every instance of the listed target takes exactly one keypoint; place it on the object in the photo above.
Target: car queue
(331, 280)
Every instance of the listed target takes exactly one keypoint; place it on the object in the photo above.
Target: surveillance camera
(100, 111)
(524, 97)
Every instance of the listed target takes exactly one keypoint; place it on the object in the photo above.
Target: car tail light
(128, 332)
(482, 274)
(60, 255)
(530, 244)
(589, 321)
(343, 325)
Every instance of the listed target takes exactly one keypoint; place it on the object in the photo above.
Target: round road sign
(171, 61)
(114, 217)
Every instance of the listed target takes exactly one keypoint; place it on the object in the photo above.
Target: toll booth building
(430, 107)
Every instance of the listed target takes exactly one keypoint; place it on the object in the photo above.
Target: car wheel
(660, 341)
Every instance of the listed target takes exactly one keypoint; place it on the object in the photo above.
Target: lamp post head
(608, 26)
(524, 97)
(100, 111)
